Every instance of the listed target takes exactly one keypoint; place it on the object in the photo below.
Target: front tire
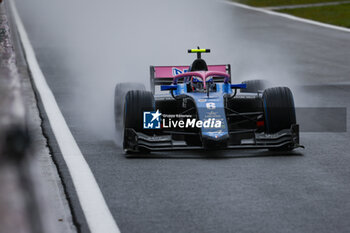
(120, 92)
(136, 102)
(279, 111)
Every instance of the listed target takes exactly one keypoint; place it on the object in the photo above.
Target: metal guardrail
(19, 210)
(24, 202)
(14, 138)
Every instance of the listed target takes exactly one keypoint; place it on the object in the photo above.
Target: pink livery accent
(203, 75)
(172, 71)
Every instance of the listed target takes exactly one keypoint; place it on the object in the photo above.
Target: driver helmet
(197, 84)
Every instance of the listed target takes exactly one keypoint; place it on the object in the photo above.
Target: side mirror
(168, 87)
(239, 86)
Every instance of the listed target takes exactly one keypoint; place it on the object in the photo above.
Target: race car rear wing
(164, 75)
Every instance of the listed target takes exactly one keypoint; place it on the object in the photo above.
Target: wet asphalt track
(229, 191)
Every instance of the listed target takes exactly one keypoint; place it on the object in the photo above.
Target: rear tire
(120, 92)
(279, 111)
(254, 86)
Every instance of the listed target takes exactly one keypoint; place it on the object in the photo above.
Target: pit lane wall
(24, 205)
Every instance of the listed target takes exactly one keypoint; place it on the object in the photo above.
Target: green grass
(336, 14)
(266, 3)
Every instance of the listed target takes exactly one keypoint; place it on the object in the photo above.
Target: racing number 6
(211, 106)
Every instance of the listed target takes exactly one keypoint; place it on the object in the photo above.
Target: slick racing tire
(254, 86)
(119, 99)
(279, 110)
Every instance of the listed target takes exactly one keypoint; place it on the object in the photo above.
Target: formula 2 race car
(197, 107)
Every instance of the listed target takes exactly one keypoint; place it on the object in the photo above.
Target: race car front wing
(137, 141)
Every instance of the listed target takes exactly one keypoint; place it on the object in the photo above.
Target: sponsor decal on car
(177, 71)
(155, 120)
(151, 120)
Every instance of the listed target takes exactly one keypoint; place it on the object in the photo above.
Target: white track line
(97, 214)
(288, 16)
(305, 5)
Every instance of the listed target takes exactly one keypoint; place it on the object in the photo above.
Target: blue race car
(197, 107)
